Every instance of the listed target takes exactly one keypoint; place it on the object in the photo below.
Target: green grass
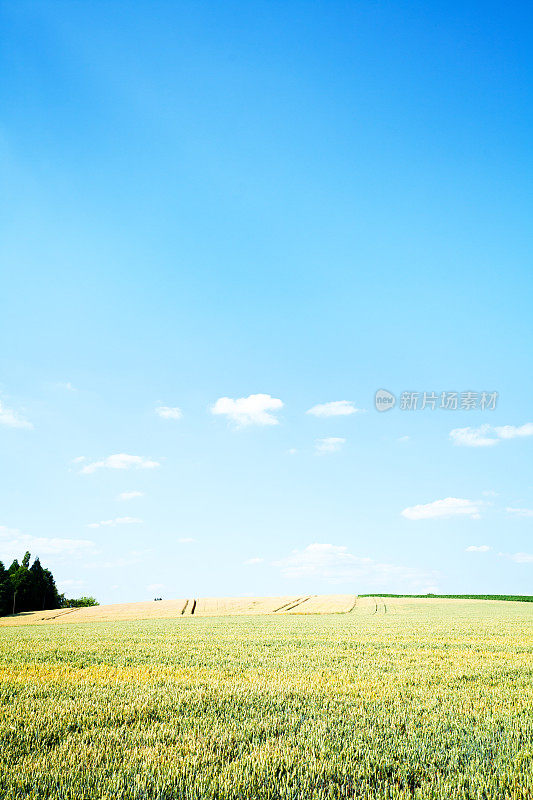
(425, 701)
(516, 598)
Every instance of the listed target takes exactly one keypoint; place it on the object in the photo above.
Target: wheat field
(394, 699)
(169, 609)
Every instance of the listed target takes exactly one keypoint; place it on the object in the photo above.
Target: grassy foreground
(432, 699)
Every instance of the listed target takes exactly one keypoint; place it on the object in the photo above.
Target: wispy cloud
(129, 495)
(112, 523)
(334, 563)
(520, 512)
(331, 444)
(13, 542)
(336, 408)
(518, 558)
(168, 412)
(251, 561)
(12, 419)
(449, 507)
(155, 587)
(515, 431)
(488, 435)
(256, 409)
(186, 540)
(66, 385)
(120, 461)
(478, 548)
(132, 558)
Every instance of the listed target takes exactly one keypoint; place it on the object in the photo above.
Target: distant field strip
(199, 607)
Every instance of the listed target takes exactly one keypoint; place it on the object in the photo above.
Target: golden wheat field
(393, 699)
(168, 609)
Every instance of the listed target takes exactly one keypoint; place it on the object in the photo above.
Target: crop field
(395, 699)
(169, 609)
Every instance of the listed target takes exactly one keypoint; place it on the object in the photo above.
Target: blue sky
(302, 201)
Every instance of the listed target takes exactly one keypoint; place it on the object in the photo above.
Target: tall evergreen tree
(52, 598)
(5, 592)
(21, 582)
(38, 585)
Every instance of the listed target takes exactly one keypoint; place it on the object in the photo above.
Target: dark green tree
(52, 598)
(5, 590)
(21, 584)
(25, 588)
(81, 602)
(38, 585)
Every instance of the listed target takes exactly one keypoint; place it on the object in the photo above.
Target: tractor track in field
(353, 606)
(292, 604)
(61, 614)
(380, 606)
(285, 606)
(298, 603)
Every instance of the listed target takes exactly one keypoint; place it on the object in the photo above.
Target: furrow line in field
(298, 603)
(354, 605)
(285, 605)
(61, 614)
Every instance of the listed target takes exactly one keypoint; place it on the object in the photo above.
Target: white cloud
(481, 548)
(5, 532)
(449, 507)
(256, 409)
(292, 451)
(129, 495)
(66, 385)
(473, 437)
(519, 558)
(120, 461)
(186, 540)
(490, 493)
(336, 408)
(322, 560)
(520, 512)
(167, 412)
(334, 563)
(12, 419)
(332, 444)
(13, 543)
(250, 561)
(133, 557)
(155, 587)
(403, 439)
(114, 522)
(78, 460)
(514, 431)
(488, 436)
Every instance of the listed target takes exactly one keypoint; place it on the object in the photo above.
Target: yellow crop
(426, 699)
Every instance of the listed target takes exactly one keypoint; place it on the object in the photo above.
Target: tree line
(32, 588)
